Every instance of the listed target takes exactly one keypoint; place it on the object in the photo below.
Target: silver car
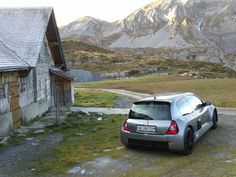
(170, 120)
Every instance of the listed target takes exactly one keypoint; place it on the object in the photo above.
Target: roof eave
(62, 74)
(55, 42)
(11, 69)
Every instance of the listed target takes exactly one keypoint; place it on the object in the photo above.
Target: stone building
(33, 74)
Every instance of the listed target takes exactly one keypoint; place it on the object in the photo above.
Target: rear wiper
(147, 118)
(144, 117)
(187, 113)
(141, 116)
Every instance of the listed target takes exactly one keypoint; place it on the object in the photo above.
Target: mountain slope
(113, 65)
(195, 29)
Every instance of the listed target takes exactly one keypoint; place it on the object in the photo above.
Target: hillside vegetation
(113, 65)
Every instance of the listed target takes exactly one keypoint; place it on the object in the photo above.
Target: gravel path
(16, 160)
(97, 110)
(135, 95)
(124, 102)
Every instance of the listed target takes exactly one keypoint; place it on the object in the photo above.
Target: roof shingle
(9, 60)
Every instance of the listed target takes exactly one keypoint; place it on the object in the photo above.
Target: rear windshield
(150, 111)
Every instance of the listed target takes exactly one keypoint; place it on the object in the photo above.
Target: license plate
(141, 128)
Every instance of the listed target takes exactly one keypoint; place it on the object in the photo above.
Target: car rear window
(150, 110)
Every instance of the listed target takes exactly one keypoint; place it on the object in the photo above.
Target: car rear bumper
(173, 142)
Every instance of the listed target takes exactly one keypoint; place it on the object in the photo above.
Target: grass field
(83, 140)
(86, 138)
(221, 92)
(95, 98)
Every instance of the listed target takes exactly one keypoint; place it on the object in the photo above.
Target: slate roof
(22, 32)
(9, 60)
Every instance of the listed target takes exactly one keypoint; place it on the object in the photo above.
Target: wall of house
(42, 74)
(53, 90)
(26, 90)
(72, 93)
(6, 121)
(36, 99)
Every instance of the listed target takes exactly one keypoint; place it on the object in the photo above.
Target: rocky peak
(86, 25)
(184, 26)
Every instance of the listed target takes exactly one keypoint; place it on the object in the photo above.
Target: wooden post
(57, 105)
(57, 114)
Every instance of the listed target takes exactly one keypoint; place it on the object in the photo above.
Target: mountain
(85, 28)
(183, 29)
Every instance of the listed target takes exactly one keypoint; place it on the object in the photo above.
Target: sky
(67, 11)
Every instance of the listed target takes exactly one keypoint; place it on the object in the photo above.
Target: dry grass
(221, 92)
(95, 98)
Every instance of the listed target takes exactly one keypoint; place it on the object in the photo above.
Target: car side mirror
(200, 106)
(207, 103)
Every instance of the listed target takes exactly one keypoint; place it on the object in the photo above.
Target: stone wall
(36, 99)
(6, 123)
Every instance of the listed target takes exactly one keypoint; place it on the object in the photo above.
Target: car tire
(214, 120)
(129, 146)
(188, 141)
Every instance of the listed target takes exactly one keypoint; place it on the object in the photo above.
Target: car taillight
(125, 125)
(173, 129)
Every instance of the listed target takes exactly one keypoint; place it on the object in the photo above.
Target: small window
(2, 91)
(184, 106)
(194, 101)
(23, 84)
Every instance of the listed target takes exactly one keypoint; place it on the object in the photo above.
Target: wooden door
(60, 100)
(13, 88)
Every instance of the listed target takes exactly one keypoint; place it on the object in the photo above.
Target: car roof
(166, 97)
